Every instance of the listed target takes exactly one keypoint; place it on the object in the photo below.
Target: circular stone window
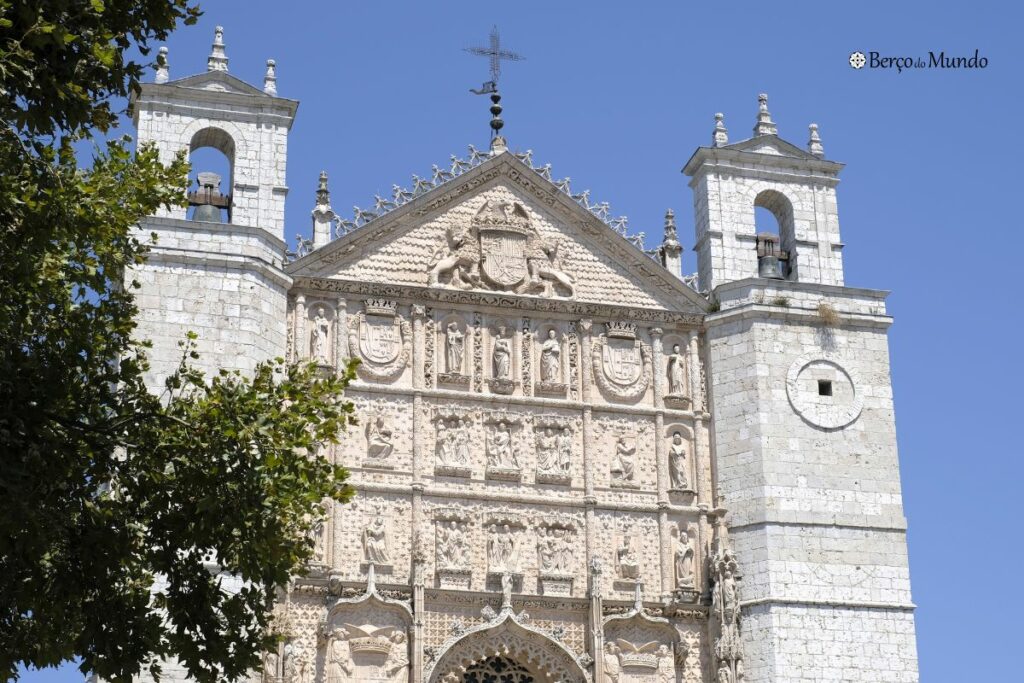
(823, 392)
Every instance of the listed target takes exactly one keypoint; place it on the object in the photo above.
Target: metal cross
(495, 54)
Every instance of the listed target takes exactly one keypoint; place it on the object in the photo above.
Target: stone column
(417, 617)
(419, 312)
(596, 621)
(340, 333)
(661, 461)
(700, 455)
(301, 342)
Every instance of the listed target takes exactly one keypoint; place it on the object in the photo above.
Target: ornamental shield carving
(621, 362)
(379, 338)
(504, 256)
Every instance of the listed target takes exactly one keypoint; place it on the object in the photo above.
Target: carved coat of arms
(622, 363)
(381, 339)
(500, 250)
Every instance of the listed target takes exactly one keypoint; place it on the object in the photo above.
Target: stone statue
(378, 439)
(502, 355)
(561, 550)
(320, 336)
(398, 656)
(548, 448)
(623, 461)
(677, 462)
(455, 347)
(462, 441)
(339, 660)
(270, 663)
(684, 560)
(550, 358)
(452, 550)
(501, 550)
(375, 541)
(564, 449)
(628, 563)
(444, 447)
(500, 452)
(724, 675)
(611, 661)
(676, 372)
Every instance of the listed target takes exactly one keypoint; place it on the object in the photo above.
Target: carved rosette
(381, 339)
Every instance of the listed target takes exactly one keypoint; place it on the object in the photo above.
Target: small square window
(824, 387)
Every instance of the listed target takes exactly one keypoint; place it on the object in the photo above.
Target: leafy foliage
(118, 507)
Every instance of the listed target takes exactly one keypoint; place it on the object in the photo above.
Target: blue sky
(618, 95)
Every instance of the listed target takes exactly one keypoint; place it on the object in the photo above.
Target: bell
(769, 267)
(207, 213)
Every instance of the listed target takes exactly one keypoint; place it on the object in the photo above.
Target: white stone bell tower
(803, 431)
(217, 271)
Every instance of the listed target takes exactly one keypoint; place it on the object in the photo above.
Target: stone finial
(670, 227)
(720, 138)
(323, 215)
(163, 73)
(498, 145)
(270, 78)
(814, 144)
(218, 59)
(765, 125)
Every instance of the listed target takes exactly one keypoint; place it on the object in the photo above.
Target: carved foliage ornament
(381, 339)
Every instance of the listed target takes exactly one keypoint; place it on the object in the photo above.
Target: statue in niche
(724, 675)
(546, 551)
(500, 452)
(550, 358)
(683, 553)
(627, 560)
(270, 663)
(378, 439)
(298, 666)
(676, 372)
(677, 462)
(452, 549)
(455, 349)
(452, 446)
(375, 541)
(320, 335)
(502, 355)
(611, 661)
(548, 448)
(462, 441)
(338, 667)
(564, 449)
(623, 463)
(502, 553)
(556, 551)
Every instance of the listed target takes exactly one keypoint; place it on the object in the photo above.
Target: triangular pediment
(773, 145)
(501, 228)
(218, 81)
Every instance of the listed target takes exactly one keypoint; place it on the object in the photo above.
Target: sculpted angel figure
(622, 463)
(319, 335)
(339, 661)
(676, 372)
(398, 657)
(550, 358)
(375, 541)
(378, 439)
(455, 347)
(502, 355)
(677, 462)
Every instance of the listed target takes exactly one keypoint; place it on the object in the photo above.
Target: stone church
(573, 463)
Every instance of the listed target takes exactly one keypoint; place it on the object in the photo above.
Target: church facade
(572, 463)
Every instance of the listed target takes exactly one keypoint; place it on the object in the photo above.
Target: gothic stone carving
(455, 355)
(381, 339)
(500, 250)
(503, 549)
(379, 445)
(319, 338)
(622, 363)
(676, 371)
(452, 553)
(375, 542)
(623, 469)
(501, 362)
(679, 466)
(451, 444)
(553, 438)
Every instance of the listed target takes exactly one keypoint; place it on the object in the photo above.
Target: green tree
(114, 503)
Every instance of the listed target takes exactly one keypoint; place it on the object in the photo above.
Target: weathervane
(495, 54)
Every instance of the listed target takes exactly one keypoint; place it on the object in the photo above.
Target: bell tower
(216, 268)
(803, 431)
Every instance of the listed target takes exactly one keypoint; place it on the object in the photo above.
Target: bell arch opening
(211, 153)
(776, 234)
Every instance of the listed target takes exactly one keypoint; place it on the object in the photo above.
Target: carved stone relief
(553, 438)
(381, 339)
(320, 337)
(375, 542)
(379, 443)
(502, 447)
(627, 558)
(679, 464)
(452, 443)
(500, 250)
(503, 546)
(501, 362)
(622, 362)
(623, 469)
(454, 337)
(677, 395)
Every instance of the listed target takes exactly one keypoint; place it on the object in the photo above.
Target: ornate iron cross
(495, 54)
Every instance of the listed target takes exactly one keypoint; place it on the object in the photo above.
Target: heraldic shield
(621, 361)
(379, 339)
(505, 236)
